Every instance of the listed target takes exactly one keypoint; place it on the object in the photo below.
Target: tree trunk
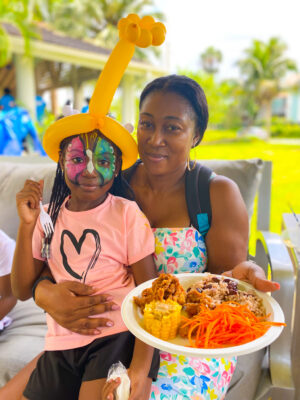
(54, 104)
(268, 118)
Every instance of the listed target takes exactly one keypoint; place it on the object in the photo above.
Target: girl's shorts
(59, 374)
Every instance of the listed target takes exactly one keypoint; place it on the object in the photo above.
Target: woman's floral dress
(180, 250)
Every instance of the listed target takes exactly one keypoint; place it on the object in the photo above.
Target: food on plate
(227, 324)
(165, 287)
(212, 313)
(162, 318)
(213, 290)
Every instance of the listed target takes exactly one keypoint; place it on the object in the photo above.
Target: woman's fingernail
(109, 298)
(109, 323)
(96, 331)
(115, 307)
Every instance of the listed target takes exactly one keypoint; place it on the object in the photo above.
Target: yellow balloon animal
(133, 31)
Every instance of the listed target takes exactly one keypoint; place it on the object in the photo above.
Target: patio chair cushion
(22, 340)
(245, 173)
(12, 178)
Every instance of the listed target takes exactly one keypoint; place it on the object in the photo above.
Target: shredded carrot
(229, 324)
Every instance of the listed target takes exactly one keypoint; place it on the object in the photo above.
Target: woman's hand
(79, 304)
(252, 273)
(28, 201)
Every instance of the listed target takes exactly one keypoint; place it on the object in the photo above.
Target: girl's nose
(90, 168)
(87, 172)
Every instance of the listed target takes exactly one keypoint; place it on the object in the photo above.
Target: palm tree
(98, 19)
(95, 19)
(22, 14)
(262, 69)
(13, 12)
(210, 60)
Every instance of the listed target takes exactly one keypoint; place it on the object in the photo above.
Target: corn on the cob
(162, 318)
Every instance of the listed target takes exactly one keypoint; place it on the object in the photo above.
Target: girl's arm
(25, 268)
(143, 270)
(227, 239)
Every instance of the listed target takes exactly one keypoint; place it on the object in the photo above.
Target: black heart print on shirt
(78, 246)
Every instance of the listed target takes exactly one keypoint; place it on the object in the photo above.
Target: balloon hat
(133, 31)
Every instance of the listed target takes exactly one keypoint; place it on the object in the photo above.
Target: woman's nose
(156, 138)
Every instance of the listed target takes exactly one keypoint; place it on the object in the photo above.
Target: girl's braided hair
(60, 191)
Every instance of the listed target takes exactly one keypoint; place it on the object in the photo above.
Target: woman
(173, 119)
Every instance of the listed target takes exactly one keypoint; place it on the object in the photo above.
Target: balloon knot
(142, 32)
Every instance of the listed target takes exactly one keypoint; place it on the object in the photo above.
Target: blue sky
(229, 25)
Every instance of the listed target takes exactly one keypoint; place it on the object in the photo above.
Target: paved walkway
(291, 142)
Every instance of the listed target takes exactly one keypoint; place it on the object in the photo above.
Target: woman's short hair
(187, 88)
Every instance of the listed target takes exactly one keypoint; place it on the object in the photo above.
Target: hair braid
(120, 186)
(59, 192)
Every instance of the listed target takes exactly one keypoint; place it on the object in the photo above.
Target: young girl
(98, 234)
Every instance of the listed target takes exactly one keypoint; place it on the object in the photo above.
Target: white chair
(275, 376)
(271, 254)
(252, 176)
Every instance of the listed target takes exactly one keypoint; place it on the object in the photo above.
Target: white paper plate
(133, 319)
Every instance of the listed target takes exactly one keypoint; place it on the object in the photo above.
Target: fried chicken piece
(194, 299)
(166, 286)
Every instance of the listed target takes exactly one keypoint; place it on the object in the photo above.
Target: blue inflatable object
(40, 108)
(7, 102)
(85, 109)
(15, 126)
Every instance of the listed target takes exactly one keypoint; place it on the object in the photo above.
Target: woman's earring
(189, 165)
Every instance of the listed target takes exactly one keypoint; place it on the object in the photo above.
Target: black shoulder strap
(196, 193)
(129, 172)
(197, 197)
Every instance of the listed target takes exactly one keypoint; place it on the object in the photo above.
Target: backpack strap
(197, 197)
(129, 172)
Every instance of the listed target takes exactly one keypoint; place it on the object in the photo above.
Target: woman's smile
(155, 157)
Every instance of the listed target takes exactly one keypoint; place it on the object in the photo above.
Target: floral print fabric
(179, 250)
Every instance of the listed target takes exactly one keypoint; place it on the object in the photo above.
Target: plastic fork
(46, 222)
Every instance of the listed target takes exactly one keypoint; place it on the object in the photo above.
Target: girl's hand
(28, 201)
(252, 273)
(109, 389)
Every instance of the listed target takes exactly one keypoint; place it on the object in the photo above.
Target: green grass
(285, 175)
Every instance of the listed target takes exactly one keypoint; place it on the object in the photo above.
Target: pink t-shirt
(95, 247)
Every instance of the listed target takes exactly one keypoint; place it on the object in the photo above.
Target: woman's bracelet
(41, 278)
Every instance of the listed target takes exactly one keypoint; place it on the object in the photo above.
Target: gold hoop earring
(189, 166)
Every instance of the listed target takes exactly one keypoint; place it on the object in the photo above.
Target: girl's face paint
(104, 160)
(91, 153)
(90, 165)
(75, 159)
